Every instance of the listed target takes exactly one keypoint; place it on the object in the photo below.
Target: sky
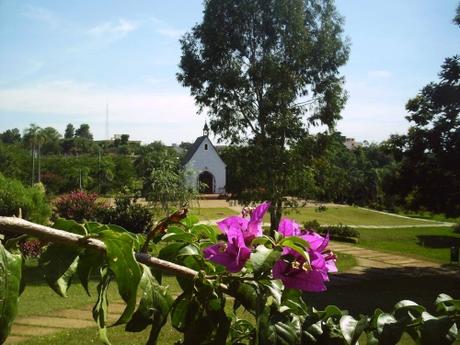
(64, 61)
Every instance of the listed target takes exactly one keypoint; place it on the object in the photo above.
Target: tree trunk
(38, 165)
(33, 165)
(276, 210)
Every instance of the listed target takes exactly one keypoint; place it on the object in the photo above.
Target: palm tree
(30, 138)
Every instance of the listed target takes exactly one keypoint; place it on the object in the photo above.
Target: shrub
(340, 232)
(79, 206)
(456, 228)
(312, 225)
(31, 200)
(130, 215)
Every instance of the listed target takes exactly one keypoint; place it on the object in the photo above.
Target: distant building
(351, 143)
(205, 166)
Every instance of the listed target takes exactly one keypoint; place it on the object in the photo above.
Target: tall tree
(265, 71)
(11, 136)
(52, 138)
(429, 154)
(31, 139)
(84, 132)
(69, 131)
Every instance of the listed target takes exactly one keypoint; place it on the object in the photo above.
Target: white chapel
(204, 166)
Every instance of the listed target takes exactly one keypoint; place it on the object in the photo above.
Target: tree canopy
(265, 71)
(429, 153)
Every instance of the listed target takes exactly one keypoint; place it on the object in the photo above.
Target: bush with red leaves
(31, 248)
(78, 205)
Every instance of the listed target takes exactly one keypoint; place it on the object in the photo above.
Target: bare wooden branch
(21, 226)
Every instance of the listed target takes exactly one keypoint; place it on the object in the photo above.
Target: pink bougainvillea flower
(294, 270)
(250, 228)
(233, 254)
(239, 232)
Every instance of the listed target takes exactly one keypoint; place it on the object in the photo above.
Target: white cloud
(170, 117)
(171, 33)
(164, 29)
(113, 30)
(379, 74)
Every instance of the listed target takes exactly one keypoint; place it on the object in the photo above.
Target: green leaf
(70, 226)
(347, 326)
(389, 330)
(205, 231)
(184, 312)
(437, 331)
(245, 294)
(58, 261)
(190, 220)
(153, 308)
(275, 287)
(121, 261)
(190, 249)
(361, 326)
(264, 239)
(10, 280)
(170, 251)
(264, 258)
(446, 304)
(275, 328)
(292, 298)
(88, 262)
(100, 308)
(179, 237)
(298, 244)
(95, 228)
(407, 311)
(59, 264)
(12, 245)
(352, 329)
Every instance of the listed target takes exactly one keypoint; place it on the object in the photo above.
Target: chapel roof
(191, 151)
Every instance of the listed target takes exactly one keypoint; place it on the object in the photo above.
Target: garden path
(28, 327)
(374, 264)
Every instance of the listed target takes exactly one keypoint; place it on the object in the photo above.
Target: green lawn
(345, 262)
(332, 215)
(404, 241)
(348, 215)
(431, 216)
(213, 213)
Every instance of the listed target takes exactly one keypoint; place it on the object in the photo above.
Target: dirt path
(25, 328)
(374, 264)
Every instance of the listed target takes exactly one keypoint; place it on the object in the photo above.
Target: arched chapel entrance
(206, 182)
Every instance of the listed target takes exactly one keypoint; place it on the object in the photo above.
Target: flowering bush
(31, 248)
(78, 205)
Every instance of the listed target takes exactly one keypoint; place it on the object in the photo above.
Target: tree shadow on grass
(435, 241)
(383, 288)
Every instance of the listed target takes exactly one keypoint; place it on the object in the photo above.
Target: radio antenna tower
(107, 134)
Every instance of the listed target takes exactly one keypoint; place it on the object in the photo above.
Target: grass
(213, 213)
(348, 215)
(404, 241)
(345, 262)
(438, 217)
